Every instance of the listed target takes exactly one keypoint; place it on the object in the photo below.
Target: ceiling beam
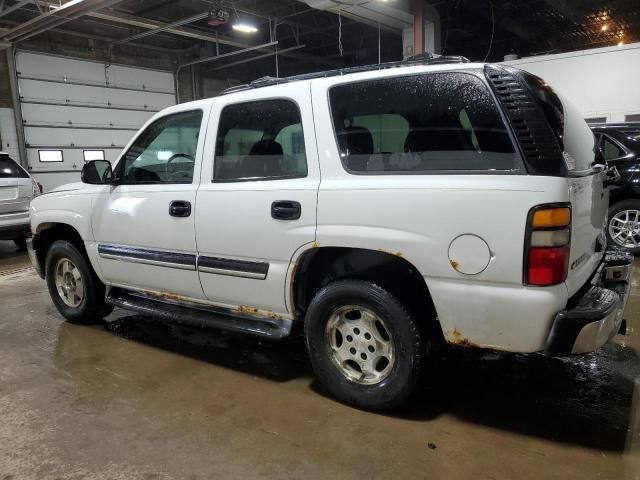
(14, 7)
(153, 31)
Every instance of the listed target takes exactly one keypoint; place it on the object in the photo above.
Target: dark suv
(619, 144)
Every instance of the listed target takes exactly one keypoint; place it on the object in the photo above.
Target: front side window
(260, 140)
(10, 169)
(420, 123)
(165, 152)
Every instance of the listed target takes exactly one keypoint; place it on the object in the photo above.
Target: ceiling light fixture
(244, 28)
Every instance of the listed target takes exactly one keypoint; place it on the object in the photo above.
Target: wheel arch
(49, 232)
(317, 267)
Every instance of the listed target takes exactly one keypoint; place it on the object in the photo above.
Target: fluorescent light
(243, 27)
(65, 5)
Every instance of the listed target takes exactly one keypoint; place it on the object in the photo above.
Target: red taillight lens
(548, 265)
(547, 242)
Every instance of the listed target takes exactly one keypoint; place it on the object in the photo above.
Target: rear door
(16, 187)
(257, 200)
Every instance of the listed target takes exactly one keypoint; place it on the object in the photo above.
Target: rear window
(10, 169)
(420, 123)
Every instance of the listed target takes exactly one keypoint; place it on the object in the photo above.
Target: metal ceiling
(529, 27)
(174, 32)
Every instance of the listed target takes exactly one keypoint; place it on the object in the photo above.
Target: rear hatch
(16, 187)
(556, 141)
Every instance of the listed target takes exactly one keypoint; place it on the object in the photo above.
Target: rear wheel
(623, 230)
(75, 289)
(364, 346)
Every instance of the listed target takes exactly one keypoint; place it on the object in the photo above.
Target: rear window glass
(420, 123)
(10, 169)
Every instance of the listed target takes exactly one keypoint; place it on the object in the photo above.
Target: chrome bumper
(594, 318)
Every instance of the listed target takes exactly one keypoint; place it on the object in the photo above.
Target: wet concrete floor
(136, 399)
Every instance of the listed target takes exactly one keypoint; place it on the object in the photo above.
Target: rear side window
(550, 103)
(420, 123)
(10, 169)
(260, 140)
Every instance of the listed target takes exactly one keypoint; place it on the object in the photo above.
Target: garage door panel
(145, 79)
(71, 105)
(80, 116)
(33, 90)
(58, 68)
(65, 137)
(73, 159)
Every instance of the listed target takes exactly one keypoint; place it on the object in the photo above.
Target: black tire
(92, 308)
(410, 347)
(21, 242)
(631, 204)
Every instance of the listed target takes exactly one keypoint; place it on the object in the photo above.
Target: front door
(257, 201)
(144, 226)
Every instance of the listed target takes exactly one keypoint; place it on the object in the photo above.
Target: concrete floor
(142, 400)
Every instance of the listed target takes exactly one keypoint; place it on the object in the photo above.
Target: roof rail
(422, 59)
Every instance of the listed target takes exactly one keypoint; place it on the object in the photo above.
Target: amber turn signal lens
(552, 217)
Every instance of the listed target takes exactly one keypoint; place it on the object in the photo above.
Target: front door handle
(180, 208)
(286, 210)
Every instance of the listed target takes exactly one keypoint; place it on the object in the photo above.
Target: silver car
(17, 188)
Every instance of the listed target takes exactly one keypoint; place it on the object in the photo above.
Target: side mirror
(97, 172)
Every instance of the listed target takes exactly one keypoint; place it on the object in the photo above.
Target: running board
(272, 328)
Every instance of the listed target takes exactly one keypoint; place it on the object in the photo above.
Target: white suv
(383, 209)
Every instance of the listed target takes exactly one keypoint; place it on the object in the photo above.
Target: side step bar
(275, 329)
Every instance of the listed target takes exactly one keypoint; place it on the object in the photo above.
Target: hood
(67, 187)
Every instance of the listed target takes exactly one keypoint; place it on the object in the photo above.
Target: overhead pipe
(214, 58)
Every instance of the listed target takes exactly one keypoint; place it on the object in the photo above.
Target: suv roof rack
(421, 59)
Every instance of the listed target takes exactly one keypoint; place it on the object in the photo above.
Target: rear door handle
(180, 208)
(286, 210)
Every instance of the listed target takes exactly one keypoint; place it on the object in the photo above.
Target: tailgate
(589, 200)
(15, 195)
(589, 204)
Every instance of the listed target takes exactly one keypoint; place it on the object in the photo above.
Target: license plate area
(8, 193)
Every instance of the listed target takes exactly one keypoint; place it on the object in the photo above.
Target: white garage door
(78, 110)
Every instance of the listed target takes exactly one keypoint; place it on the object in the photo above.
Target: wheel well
(320, 266)
(57, 231)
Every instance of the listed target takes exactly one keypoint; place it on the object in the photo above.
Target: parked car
(384, 210)
(619, 146)
(17, 189)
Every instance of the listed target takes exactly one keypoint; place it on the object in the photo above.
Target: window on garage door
(164, 153)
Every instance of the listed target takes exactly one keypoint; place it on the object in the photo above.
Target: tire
(632, 206)
(21, 242)
(83, 302)
(386, 385)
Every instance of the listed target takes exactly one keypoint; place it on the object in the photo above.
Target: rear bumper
(595, 317)
(13, 231)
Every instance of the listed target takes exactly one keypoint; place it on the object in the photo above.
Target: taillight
(547, 243)
(36, 188)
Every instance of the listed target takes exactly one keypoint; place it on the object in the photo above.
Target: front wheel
(74, 288)
(623, 230)
(364, 346)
